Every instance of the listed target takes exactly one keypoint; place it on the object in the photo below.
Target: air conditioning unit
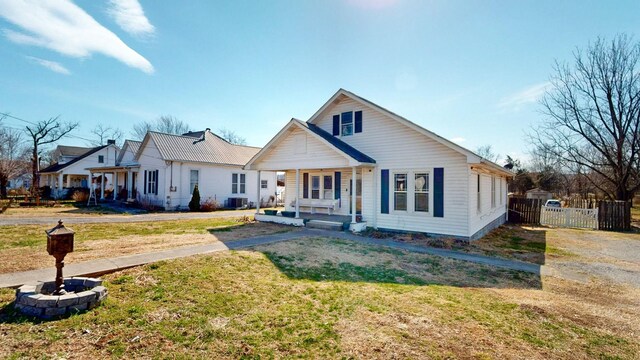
(237, 203)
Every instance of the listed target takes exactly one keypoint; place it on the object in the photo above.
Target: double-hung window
(315, 187)
(327, 189)
(238, 183)
(151, 185)
(400, 192)
(264, 184)
(346, 123)
(193, 179)
(421, 192)
(101, 159)
(500, 195)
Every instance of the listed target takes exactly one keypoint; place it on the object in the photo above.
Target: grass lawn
(23, 247)
(66, 210)
(325, 298)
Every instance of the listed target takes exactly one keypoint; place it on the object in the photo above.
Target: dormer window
(101, 159)
(346, 124)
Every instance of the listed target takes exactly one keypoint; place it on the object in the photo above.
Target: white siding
(397, 147)
(214, 181)
(479, 218)
(300, 150)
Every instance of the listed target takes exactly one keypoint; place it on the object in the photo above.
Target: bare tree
(486, 151)
(42, 133)
(593, 115)
(165, 124)
(103, 133)
(232, 136)
(13, 157)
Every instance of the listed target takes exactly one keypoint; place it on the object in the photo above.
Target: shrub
(194, 204)
(209, 205)
(80, 196)
(145, 203)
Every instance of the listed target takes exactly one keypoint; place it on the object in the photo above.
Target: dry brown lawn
(24, 247)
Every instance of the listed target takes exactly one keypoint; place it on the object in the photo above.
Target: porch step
(325, 225)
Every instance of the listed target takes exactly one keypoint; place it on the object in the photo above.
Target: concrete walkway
(87, 219)
(103, 266)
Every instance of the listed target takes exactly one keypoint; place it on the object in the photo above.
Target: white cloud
(129, 15)
(51, 65)
(458, 139)
(62, 26)
(526, 96)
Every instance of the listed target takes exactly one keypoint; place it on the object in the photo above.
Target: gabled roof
(330, 140)
(57, 167)
(471, 156)
(65, 150)
(208, 149)
(132, 145)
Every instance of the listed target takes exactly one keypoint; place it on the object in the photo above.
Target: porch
(321, 221)
(123, 181)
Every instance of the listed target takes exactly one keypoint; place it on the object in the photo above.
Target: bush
(194, 204)
(45, 192)
(81, 196)
(209, 205)
(145, 203)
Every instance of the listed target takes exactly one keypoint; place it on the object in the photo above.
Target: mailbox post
(59, 244)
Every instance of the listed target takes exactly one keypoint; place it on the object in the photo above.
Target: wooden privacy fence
(524, 211)
(569, 217)
(614, 215)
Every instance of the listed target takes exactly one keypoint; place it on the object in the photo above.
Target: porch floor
(325, 217)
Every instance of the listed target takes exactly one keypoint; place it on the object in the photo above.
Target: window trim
(411, 173)
(478, 195)
(493, 192)
(239, 183)
(197, 181)
(353, 123)
(100, 159)
(321, 175)
(427, 191)
(393, 191)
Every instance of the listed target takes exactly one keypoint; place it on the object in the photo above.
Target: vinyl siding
(292, 153)
(397, 147)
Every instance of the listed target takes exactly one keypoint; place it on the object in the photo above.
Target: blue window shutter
(384, 193)
(438, 192)
(336, 125)
(337, 178)
(305, 185)
(358, 127)
(156, 189)
(145, 182)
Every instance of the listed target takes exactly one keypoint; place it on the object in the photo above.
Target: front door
(358, 194)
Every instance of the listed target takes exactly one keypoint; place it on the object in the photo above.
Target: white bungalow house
(163, 169)
(70, 168)
(406, 177)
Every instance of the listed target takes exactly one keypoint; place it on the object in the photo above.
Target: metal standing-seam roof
(209, 149)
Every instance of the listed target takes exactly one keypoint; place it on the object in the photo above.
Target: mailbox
(59, 240)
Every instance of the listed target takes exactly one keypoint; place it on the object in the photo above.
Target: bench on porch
(329, 204)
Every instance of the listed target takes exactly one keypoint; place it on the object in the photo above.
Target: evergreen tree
(194, 204)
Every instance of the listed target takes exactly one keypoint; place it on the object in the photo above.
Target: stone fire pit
(37, 300)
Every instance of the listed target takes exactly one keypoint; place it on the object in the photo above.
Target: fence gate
(569, 217)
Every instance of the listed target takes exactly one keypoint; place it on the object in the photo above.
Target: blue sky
(470, 71)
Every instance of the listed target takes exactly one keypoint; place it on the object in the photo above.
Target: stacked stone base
(82, 294)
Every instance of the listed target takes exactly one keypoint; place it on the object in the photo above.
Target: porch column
(101, 186)
(353, 194)
(129, 185)
(297, 193)
(69, 180)
(115, 185)
(60, 183)
(258, 202)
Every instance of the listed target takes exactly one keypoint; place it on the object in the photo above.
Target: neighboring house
(539, 194)
(70, 168)
(406, 177)
(165, 168)
(124, 172)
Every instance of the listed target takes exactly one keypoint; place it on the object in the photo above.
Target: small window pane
(234, 188)
(347, 123)
(234, 178)
(264, 184)
(422, 202)
(401, 182)
(400, 202)
(422, 182)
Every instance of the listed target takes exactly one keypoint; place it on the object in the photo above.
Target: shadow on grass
(516, 241)
(329, 259)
